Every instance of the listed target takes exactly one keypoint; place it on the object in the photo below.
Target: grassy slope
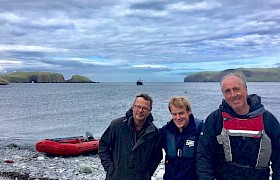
(78, 78)
(25, 77)
(252, 75)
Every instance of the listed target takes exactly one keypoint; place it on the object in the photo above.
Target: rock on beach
(27, 164)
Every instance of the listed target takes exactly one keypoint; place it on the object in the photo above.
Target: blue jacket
(180, 149)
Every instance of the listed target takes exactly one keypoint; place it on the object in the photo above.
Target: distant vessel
(139, 82)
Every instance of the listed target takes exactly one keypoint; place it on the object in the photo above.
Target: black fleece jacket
(124, 157)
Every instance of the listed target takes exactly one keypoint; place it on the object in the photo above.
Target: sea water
(31, 112)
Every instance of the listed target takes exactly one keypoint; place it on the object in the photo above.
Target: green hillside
(78, 78)
(41, 77)
(36, 77)
(251, 74)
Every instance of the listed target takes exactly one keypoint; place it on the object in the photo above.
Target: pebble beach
(27, 164)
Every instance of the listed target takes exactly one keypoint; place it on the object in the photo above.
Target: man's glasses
(138, 107)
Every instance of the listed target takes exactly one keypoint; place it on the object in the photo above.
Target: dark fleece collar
(253, 100)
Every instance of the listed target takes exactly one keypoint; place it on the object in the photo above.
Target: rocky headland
(40, 77)
(3, 81)
(251, 74)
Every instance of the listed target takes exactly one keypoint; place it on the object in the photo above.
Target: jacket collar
(253, 100)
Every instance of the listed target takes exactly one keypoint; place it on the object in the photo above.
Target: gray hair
(239, 75)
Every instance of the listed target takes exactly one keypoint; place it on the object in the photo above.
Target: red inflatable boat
(71, 146)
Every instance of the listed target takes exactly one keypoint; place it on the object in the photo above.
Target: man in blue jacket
(130, 147)
(241, 139)
(179, 139)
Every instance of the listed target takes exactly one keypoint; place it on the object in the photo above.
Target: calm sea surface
(31, 112)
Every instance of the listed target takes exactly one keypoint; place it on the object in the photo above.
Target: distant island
(40, 77)
(251, 74)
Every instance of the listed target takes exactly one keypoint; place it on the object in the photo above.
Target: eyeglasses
(138, 107)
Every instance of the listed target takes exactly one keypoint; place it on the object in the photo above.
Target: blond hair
(179, 101)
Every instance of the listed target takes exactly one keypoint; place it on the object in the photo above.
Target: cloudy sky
(123, 40)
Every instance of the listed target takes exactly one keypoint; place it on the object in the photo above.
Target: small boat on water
(69, 146)
(139, 82)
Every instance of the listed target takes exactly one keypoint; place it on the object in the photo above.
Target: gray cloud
(124, 40)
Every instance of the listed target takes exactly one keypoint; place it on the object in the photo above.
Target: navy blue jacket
(180, 149)
(210, 154)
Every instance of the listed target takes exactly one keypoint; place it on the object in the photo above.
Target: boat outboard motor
(89, 136)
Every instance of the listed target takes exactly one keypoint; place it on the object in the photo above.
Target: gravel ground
(27, 164)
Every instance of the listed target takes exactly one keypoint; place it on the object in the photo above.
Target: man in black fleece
(130, 147)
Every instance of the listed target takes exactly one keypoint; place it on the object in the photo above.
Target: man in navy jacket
(179, 139)
(240, 140)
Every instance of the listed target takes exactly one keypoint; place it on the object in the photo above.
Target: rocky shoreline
(27, 164)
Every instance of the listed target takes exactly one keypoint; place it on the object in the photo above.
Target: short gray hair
(239, 75)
